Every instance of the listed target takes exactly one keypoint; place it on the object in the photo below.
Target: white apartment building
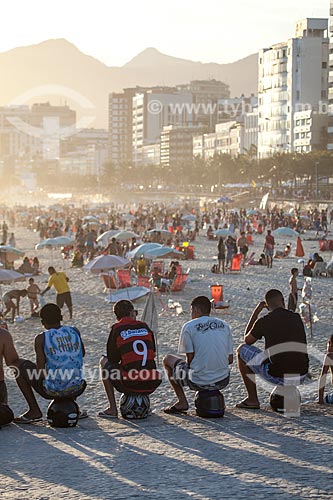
(293, 76)
(310, 131)
(153, 110)
(251, 130)
(228, 138)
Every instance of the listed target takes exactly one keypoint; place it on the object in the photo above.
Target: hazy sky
(114, 31)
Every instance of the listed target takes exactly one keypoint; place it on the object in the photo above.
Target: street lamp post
(316, 178)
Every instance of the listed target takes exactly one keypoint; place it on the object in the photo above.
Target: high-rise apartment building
(292, 77)
(155, 109)
(330, 82)
(120, 126)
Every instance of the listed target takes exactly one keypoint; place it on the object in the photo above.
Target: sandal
(173, 410)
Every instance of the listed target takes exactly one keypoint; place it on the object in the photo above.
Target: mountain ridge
(60, 63)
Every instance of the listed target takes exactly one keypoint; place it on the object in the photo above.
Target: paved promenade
(244, 455)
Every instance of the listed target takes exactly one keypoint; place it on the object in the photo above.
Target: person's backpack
(6, 415)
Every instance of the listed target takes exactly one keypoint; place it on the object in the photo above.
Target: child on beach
(33, 290)
(327, 365)
(292, 300)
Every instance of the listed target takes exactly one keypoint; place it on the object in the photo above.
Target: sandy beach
(254, 454)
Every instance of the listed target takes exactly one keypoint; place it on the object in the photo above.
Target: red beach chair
(124, 278)
(217, 297)
(236, 262)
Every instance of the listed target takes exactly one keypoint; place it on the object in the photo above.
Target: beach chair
(179, 269)
(109, 281)
(249, 261)
(144, 281)
(179, 283)
(124, 278)
(236, 262)
(217, 297)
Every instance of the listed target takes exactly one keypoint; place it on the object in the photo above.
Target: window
(298, 94)
(324, 65)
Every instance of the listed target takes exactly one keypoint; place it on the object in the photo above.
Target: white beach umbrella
(15, 253)
(223, 232)
(105, 262)
(141, 249)
(125, 235)
(189, 218)
(104, 238)
(285, 231)
(8, 276)
(164, 253)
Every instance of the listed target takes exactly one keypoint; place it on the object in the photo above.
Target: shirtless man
(9, 354)
(8, 299)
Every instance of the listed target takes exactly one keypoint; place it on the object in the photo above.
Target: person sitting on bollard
(58, 369)
(285, 359)
(129, 366)
(207, 344)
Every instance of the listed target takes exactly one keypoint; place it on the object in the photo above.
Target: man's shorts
(256, 360)
(28, 369)
(64, 298)
(114, 373)
(181, 376)
(3, 393)
(269, 252)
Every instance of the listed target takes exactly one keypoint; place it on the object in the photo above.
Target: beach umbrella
(14, 252)
(105, 262)
(63, 241)
(8, 276)
(163, 253)
(90, 218)
(104, 238)
(91, 225)
(224, 199)
(299, 248)
(150, 316)
(161, 231)
(141, 249)
(189, 218)
(223, 232)
(48, 243)
(125, 235)
(285, 231)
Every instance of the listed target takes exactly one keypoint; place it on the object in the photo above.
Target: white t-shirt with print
(211, 341)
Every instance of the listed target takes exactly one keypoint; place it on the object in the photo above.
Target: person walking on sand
(207, 344)
(60, 282)
(33, 290)
(292, 300)
(269, 248)
(221, 255)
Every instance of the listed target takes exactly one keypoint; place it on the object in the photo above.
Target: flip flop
(173, 410)
(26, 420)
(102, 414)
(246, 406)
